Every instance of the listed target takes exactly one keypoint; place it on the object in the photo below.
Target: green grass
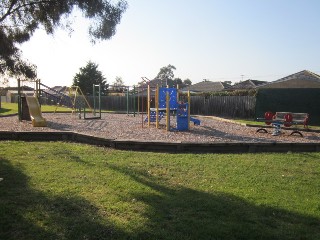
(12, 108)
(74, 191)
(8, 108)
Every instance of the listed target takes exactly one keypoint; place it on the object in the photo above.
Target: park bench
(286, 120)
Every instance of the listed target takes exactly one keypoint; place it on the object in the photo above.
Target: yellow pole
(74, 102)
(138, 99)
(85, 99)
(188, 109)
(177, 92)
(148, 110)
(37, 90)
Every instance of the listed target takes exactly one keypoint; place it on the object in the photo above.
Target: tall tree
(166, 74)
(177, 81)
(20, 18)
(187, 82)
(118, 85)
(88, 76)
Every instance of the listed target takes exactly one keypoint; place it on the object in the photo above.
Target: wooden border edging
(157, 146)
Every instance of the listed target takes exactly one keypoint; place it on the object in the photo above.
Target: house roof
(301, 79)
(207, 86)
(247, 84)
(152, 83)
(55, 89)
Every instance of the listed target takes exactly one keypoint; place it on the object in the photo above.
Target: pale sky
(218, 40)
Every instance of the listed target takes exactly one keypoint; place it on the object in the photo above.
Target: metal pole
(94, 99)
(138, 100)
(189, 109)
(142, 109)
(127, 100)
(100, 99)
(149, 105)
(156, 101)
(134, 101)
(19, 101)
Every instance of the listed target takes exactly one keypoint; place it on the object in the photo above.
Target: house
(207, 87)
(11, 93)
(246, 85)
(54, 91)
(303, 79)
(297, 93)
(143, 87)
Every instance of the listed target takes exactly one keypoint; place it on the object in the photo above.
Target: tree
(118, 85)
(177, 81)
(166, 74)
(88, 76)
(20, 18)
(187, 82)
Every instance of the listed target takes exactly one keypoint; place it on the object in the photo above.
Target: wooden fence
(224, 106)
(221, 106)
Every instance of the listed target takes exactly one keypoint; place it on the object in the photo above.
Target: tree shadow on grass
(26, 213)
(184, 213)
(172, 213)
(4, 110)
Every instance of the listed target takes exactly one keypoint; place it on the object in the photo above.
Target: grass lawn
(74, 191)
(12, 108)
(8, 108)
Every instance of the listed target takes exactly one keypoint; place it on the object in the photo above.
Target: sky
(216, 40)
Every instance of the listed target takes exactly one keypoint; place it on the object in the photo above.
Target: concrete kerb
(157, 146)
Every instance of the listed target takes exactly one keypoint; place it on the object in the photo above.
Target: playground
(167, 119)
(127, 127)
(78, 191)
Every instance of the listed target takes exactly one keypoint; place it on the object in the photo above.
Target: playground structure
(284, 119)
(29, 107)
(35, 112)
(166, 103)
(94, 110)
(72, 98)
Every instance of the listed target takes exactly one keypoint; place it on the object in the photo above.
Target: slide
(195, 121)
(35, 112)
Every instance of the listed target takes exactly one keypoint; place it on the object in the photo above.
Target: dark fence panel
(121, 103)
(224, 106)
(197, 105)
(290, 100)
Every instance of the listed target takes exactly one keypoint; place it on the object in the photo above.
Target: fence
(224, 106)
(221, 106)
